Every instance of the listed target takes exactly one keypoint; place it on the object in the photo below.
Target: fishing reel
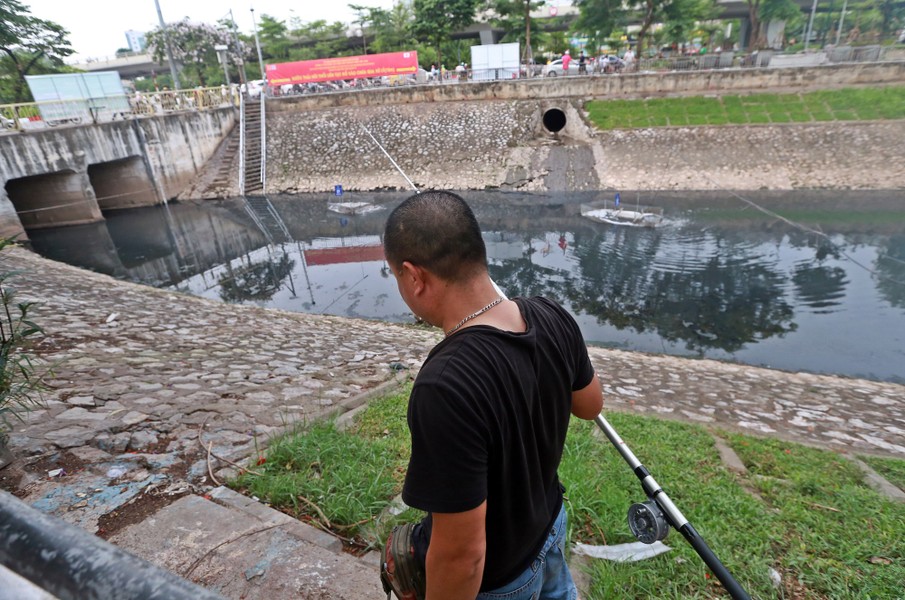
(647, 522)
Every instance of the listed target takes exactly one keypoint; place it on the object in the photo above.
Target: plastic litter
(56, 473)
(622, 552)
(114, 472)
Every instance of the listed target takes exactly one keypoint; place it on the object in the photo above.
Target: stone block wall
(504, 144)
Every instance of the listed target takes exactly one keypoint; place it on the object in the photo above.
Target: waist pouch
(401, 569)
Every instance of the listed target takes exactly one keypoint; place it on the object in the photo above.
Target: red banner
(344, 67)
(343, 254)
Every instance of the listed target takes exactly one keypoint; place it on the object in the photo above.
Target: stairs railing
(266, 217)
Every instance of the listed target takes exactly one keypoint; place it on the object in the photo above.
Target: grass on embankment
(804, 512)
(850, 104)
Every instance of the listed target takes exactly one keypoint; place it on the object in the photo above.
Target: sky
(97, 28)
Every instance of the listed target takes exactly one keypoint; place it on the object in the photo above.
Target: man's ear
(415, 276)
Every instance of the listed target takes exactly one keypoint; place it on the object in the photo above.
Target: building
(136, 40)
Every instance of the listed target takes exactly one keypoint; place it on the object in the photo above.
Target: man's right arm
(588, 401)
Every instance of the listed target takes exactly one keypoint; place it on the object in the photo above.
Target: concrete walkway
(148, 382)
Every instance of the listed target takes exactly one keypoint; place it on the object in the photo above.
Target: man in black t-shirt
(488, 413)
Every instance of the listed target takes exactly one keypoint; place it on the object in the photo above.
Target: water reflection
(715, 282)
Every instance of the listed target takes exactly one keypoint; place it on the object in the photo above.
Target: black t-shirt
(488, 416)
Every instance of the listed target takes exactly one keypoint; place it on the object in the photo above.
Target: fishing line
(390, 158)
(417, 191)
(791, 223)
(801, 227)
(340, 297)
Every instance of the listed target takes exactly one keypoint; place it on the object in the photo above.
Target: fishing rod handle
(710, 559)
(673, 514)
(650, 485)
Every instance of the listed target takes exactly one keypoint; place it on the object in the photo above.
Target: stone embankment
(504, 144)
(155, 393)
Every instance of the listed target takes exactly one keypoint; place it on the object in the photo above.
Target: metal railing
(243, 106)
(39, 115)
(263, 146)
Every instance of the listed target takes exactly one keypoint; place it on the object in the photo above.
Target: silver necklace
(474, 315)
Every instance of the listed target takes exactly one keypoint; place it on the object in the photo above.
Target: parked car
(554, 69)
(610, 64)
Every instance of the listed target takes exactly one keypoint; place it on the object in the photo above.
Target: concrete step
(241, 548)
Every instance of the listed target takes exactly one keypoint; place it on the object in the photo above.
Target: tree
(437, 19)
(599, 17)
(318, 39)
(676, 15)
(389, 30)
(515, 16)
(764, 11)
(274, 36)
(396, 32)
(29, 43)
(192, 45)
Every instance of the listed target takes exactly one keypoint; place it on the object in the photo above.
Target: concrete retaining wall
(504, 144)
(491, 135)
(109, 165)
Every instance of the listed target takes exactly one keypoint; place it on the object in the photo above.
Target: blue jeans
(548, 577)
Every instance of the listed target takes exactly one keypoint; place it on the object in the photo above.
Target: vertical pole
(242, 77)
(223, 56)
(169, 48)
(807, 36)
(841, 21)
(258, 44)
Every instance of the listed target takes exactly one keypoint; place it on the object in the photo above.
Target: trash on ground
(632, 552)
(115, 472)
(353, 208)
(56, 473)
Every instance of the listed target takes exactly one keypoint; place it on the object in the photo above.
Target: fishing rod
(650, 521)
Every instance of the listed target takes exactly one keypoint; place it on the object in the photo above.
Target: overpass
(129, 67)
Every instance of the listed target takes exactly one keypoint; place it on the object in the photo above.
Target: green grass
(349, 475)
(805, 513)
(893, 470)
(851, 104)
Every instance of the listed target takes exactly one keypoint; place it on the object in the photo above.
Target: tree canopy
(29, 45)
(192, 45)
(435, 20)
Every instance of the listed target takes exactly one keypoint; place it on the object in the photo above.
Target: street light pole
(166, 43)
(223, 56)
(807, 37)
(841, 21)
(239, 52)
(258, 44)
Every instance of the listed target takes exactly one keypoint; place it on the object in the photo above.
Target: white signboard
(495, 61)
(75, 97)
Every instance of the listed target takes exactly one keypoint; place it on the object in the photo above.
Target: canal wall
(69, 175)
(505, 144)
(498, 135)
